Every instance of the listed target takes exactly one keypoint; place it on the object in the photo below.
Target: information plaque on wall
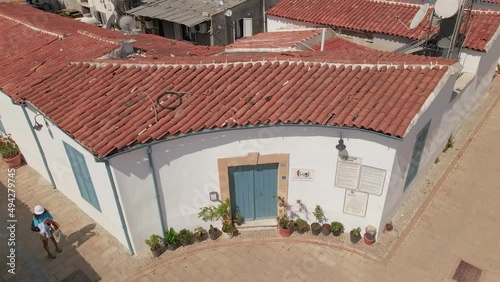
(302, 174)
(347, 175)
(372, 180)
(355, 203)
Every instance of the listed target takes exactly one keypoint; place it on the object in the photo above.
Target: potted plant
(369, 236)
(285, 225)
(199, 233)
(229, 229)
(154, 244)
(171, 239)
(389, 226)
(337, 228)
(238, 219)
(319, 215)
(325, 229)
(10, 151)
(185, 237)
(355, 235)
(301, 226)
(212, 232)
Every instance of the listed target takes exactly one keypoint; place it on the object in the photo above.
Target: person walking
(45, 222)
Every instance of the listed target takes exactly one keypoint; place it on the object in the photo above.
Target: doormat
(467, 272)
(77, 276)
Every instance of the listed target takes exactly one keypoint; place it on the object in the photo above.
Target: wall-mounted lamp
(37, 125)
(214, 196)
(341, 147)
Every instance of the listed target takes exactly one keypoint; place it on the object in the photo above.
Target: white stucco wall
(388, 42)
(137, 195)
(187, 171)
(104, 6)
(51, 139)
(275, 23)
(14, 121)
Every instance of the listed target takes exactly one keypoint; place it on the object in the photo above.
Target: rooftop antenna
(126, 23)
(419, 16)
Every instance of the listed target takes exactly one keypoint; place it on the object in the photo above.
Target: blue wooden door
(82, 176)
(253, 189)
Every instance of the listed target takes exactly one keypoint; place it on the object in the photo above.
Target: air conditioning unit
(149, 24)
(201, 28)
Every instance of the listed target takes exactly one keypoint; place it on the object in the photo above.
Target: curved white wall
(187, 171)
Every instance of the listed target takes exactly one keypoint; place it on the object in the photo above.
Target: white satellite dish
(126, 23)
(446, 8)
(228, 13)
(419, 16)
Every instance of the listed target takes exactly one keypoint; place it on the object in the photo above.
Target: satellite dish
(126, 23)
(228, 13)
(446, 8)
(419, 16)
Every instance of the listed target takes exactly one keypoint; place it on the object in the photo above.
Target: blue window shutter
(416, 156)
(82, 176)
(2, 129)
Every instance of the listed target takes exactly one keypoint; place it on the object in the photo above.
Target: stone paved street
(459, 220)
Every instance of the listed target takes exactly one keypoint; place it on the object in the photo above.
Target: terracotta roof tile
(383, 17)
(275, 39)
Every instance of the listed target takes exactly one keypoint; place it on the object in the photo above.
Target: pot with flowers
(285, 224)
(10, 151)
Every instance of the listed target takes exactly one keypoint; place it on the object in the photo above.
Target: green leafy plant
(171, 237)
(154, 242)
(238, 219)
(8, 147)
(199, 232)
(437, 160)
(185, 236)
(449, 144)
(228, 227)
(356, 232)
(214, 213)
(336, 226)
(319, 214)
(301, 225)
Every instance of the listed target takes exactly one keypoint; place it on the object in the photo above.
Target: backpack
(33, 227)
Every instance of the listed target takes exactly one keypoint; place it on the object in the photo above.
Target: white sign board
(347, 175)
(372, 180)
(302, 174)
(355, 203)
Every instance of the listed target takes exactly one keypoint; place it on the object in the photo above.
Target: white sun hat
(39, 210)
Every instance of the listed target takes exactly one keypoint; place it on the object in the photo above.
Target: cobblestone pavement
(459, 220)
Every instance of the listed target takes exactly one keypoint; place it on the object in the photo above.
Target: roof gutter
(241, 128)
(119, 207)
(155, 185)
(37, 141)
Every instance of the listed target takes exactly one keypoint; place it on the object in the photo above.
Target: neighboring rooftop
(281, 39)
(384, 17)
(186, 12)
(103, 102)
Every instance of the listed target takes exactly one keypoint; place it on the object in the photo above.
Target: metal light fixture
(214, 196)
(37, 126)
(341, 147)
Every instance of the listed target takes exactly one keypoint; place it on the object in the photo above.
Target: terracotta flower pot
(284, 232)
(369, 239)
(14, 162)
(389, 227)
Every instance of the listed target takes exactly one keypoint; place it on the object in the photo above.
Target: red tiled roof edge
(452, 70)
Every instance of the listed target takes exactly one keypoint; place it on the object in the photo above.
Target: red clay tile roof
(380, 17)
(105, 107)
(160, 46)
(275, 39)
(338, 43)
(103, 104)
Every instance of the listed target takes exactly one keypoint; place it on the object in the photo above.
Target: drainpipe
(119, 207)
(44, 159)
(155, 185)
